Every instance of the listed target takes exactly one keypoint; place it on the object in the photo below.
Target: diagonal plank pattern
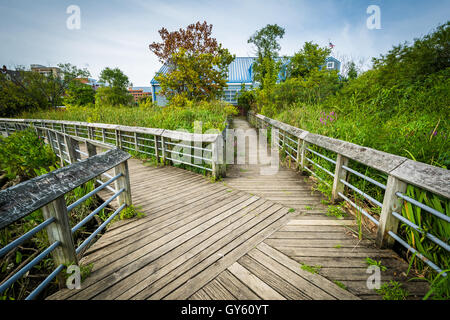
(245, 238)
(193, 234)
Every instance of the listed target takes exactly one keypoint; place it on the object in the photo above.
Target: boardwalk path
(236, 239)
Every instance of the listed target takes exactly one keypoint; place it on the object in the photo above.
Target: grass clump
(392, 291)
(311, 269)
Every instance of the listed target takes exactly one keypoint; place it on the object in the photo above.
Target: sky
(117, 33)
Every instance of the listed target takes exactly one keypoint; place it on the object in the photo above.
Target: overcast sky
(117, 33)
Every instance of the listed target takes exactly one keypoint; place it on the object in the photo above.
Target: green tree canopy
(307, 60)
(266, 42)
(198, 64)
(22, 89)
(79, 94)
(116, 93)
(115, 78)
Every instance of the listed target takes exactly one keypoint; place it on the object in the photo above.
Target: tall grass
(212, 115)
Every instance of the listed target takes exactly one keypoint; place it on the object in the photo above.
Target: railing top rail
(22, 199)
(422, 175)
(172, 134)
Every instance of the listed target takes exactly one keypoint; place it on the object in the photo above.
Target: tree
(310, 58)
(79, 94)
(352, 72)
(115, 78)
(116, 93)
(267, 47)
(195, 39)
(28, 89)
(197, 63)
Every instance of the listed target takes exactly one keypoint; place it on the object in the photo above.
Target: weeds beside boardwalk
(213, 115)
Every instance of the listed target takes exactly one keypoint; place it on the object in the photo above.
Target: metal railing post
(339, 173)
(390, 203)
(123, 182)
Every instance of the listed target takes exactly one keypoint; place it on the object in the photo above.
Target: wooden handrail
(171, 134)
(419, 174)
(26, 197)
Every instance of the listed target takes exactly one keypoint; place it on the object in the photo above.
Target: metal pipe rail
(47, 192)
(157, 143)
(400, 172)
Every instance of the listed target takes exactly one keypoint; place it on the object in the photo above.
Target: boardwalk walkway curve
(248, 236)
(233, 239)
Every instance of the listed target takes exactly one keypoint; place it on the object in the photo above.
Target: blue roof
(240, 70)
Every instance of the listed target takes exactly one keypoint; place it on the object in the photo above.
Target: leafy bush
(22, 153)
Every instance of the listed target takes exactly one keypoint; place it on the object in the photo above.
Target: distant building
(240, 72)
(55, 71)
(89, 81)
(139, 93)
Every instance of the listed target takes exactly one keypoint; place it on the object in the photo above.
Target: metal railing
(166, 146)
(47, 192)
(298, 145)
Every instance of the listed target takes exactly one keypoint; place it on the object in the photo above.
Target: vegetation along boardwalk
(247, 237)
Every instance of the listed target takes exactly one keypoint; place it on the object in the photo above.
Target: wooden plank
(274, 280)
(222, 234)
(143, 256)
(200, 295)
(318, 243)
(217, 291)
(297, 253)
(318, 280)
(239, 246)
(111, 253)
(236, 287)
(254, 283)
(325, 222)
(301, 235)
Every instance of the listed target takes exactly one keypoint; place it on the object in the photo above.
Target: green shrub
(22, 153)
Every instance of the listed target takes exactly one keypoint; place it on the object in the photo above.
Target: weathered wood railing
(47, 192)
(400, 172)
(201, 151)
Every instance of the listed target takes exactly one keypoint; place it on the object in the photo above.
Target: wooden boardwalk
(236, 239)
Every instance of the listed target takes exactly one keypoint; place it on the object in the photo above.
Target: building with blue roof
(240, 72)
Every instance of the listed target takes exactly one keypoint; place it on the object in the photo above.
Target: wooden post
(103, 135)
(136, 147)
(390, 203)
(60, 230)
(91, 149)
(214, 157)
(123, 182)
(303, 154)
(163, 150)
(71, 148)
(60, 147)
(7, 129)
(156, 148)
(339, 173)
(118, 142)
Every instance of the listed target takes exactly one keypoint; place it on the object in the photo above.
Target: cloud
(117, 33)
